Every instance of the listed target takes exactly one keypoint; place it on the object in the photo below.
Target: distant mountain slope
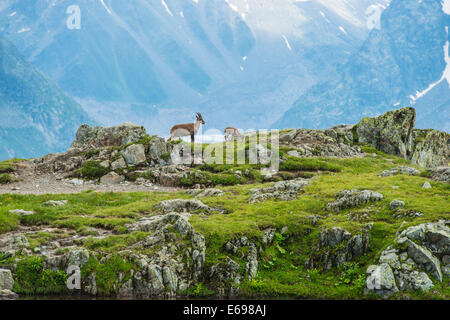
(398, 65)
(36, 117)
(241, 63)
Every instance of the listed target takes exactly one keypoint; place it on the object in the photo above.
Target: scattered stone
(400, 170)
(210, 193)
(181, 205)
(395, 204)
(112, 178)
(21, 212)
(282, 190)
(426, 185)
(400, 214)
(77, 182)
(55, 203)
(353, 198)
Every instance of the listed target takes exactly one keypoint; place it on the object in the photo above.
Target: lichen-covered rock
(182, 205)
(112, 178)
(88, 137)
(441, 174)
(177, 263)
(118, 164)
(210, 193)
(21, 212)
(333, 142)
(423, 257)
(6, 280)
(134, 154)
(431, 148)
(225, 278)
(390, 132)
(8, 295)
(400, 170)
(157, 148)
(55, 203)
(395, 204)
(13, 244)
(381, 280)
(333, 237)
(337, 247)
(418, 252)
(282, 190)
(251, 268)
(353, 198)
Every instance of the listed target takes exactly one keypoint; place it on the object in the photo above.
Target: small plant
(313, 275)
(351, 275)
(32, 278)
(5, 178)
(199, 290)
(256, 284)
(93, 170)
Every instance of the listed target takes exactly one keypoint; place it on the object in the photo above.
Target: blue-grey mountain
(404, 63)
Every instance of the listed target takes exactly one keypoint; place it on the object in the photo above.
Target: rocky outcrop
(225, 278)
(441, 174)
(419, 255)
(431, 148)
(347, 199)
(14, 244)
(400, 170)
(181, 205)
(394, 133)
(282, 190)
(338, 246)
(390, 132)
(6, 285)
(88, 137)
(334, 142)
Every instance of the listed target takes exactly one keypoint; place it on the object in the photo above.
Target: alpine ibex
(231, 133)
(187, 129)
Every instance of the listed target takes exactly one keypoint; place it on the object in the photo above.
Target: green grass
(281, 265)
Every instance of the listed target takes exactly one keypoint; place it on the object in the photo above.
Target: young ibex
(231, 133)
(187, 129)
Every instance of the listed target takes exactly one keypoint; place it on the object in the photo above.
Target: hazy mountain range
(246, 63)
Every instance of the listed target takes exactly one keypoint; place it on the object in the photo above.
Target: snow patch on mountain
(445, 76)
(446, 6)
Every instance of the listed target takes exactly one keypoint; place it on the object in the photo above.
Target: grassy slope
(281, 271)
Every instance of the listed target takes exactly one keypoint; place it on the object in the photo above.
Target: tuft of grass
(309, 164)
(93, 170)
(33, 279)
(5, 178)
